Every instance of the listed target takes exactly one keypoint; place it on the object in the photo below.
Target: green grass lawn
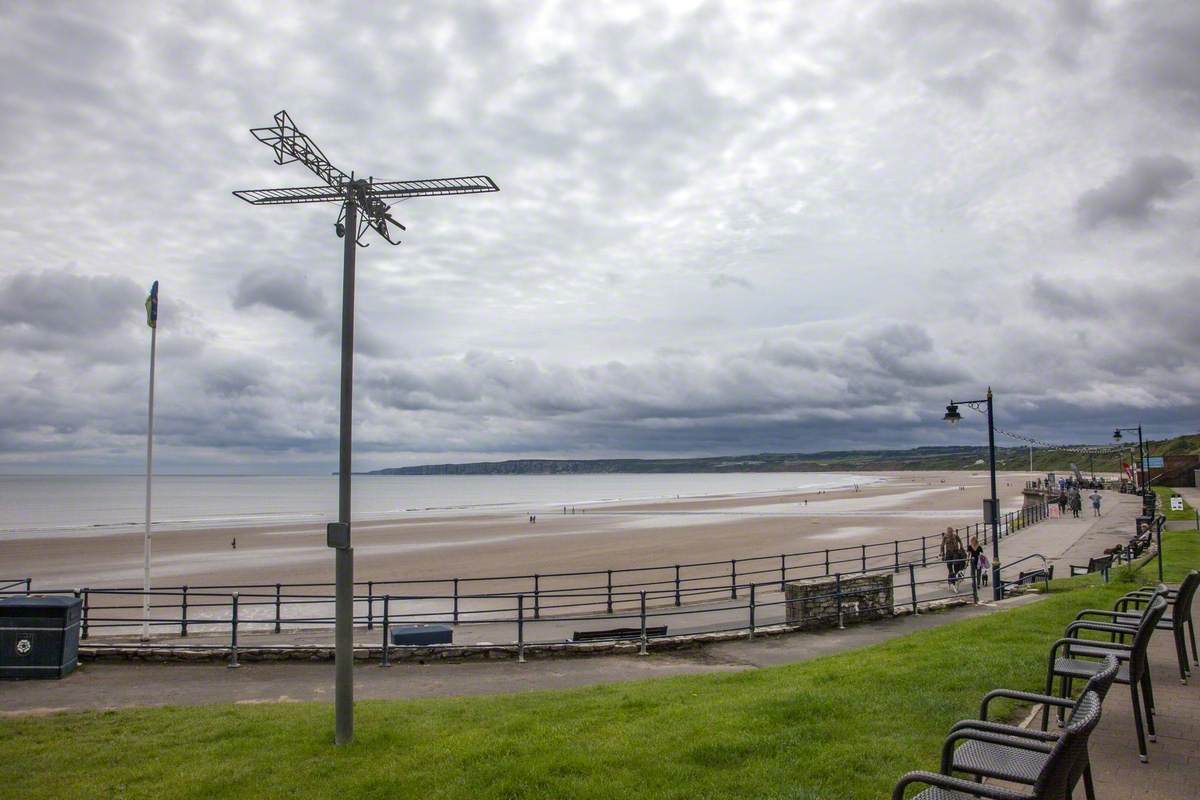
(845, 726)
(1164, 502)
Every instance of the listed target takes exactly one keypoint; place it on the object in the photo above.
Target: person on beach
(954, 555)
(1095, 498)
(975, 554)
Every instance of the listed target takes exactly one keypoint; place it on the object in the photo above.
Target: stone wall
(813, 603)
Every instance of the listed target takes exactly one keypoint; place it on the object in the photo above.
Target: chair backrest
(1102, 681)
(1069, 756)
(1141, 639)
(1181, 612)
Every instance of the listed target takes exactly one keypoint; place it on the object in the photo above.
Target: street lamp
(1141, 454)
(993, 511)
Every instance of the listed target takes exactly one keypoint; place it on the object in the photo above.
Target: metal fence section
(702, 597)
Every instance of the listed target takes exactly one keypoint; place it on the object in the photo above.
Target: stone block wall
(813, 603)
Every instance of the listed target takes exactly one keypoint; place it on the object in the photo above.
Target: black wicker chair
(1179, 621)
(1059, 773)
(1134, 672)
(1011, 762)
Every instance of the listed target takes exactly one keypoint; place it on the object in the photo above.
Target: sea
(46, 505)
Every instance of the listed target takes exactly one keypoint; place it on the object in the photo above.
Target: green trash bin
(39, 636)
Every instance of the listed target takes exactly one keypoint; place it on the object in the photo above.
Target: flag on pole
(152, 306)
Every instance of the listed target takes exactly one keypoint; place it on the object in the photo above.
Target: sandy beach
(607, 536)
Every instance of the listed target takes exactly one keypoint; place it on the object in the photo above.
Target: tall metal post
(996, 593)
(343, 729)
(149, 473)
(1142, 461)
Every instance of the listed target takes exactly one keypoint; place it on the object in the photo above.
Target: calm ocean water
(45, 504)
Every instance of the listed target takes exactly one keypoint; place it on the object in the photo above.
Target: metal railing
(592, 595)
(7, 584)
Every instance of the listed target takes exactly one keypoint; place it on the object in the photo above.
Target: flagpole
(149, 472)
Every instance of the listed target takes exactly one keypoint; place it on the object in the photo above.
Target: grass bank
(845, 726)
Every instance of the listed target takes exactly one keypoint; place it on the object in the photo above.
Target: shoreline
(608, 536)
(252, 520)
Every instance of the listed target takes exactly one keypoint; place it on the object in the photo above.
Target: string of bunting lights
(1089, 449)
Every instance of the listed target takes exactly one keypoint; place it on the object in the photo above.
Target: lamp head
(952, 415)
(1117, 435)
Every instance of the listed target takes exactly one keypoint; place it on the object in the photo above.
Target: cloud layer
(720, 229)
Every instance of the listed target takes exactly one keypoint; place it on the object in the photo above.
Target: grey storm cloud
(721, 227)
(1134, 195)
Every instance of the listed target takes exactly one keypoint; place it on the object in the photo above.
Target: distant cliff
(1013, 458)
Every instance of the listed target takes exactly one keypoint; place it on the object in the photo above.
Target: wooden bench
(618, 633)
(1036, 575)
(1098, 564)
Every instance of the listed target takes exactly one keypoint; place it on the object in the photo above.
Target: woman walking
(1062, 503)
(975, 554)
(953, 553)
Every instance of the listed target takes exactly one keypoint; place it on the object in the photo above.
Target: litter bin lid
(46, 605)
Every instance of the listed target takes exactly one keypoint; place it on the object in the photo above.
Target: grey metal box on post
(39, 636)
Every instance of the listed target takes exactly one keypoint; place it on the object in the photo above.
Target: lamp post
(1141, 454)
(953, 417)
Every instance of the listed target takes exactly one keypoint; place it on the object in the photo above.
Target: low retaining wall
(826, 602)
(452, 653)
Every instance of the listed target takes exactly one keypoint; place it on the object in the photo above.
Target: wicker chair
(1179, 621)
(1059, 773)
(1019, 764)
(1134, 672)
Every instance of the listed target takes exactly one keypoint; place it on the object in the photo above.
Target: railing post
(278, 610)
(370, 605)
(837, 588)
(678, 600)
(826, 562)
(233, 631)
(864, 558)
(537, 603)
(83, 633)
(782, 571)
(912, 586)
(1158, 538)
(924, 562)
(752, 605)
(974, 589)
(456, 601)
(520, 629)
(386, 624)
(28, 586)
(642, 646)
(896, 542)
(733, 578)
(610, 591)
(183, 613)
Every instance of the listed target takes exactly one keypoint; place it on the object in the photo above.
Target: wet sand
(607, 536)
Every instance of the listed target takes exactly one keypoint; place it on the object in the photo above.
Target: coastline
(607, 536)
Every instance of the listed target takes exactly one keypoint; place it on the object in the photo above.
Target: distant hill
(930, 458)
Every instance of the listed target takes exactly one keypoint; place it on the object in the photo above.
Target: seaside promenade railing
(730, 593)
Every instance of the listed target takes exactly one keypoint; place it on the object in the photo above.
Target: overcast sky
(722, 227)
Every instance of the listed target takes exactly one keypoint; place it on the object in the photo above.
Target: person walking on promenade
(1095, 498)
(1062, 503)
(975, 554)
(955, 556)
(1076, 503)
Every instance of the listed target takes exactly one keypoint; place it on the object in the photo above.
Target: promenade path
(106, 684)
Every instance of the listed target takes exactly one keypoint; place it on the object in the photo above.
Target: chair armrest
(1087, 625)
(1005, 730)
(976, 735)
(955, 784)
(1088, 612)
(1028, 697)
